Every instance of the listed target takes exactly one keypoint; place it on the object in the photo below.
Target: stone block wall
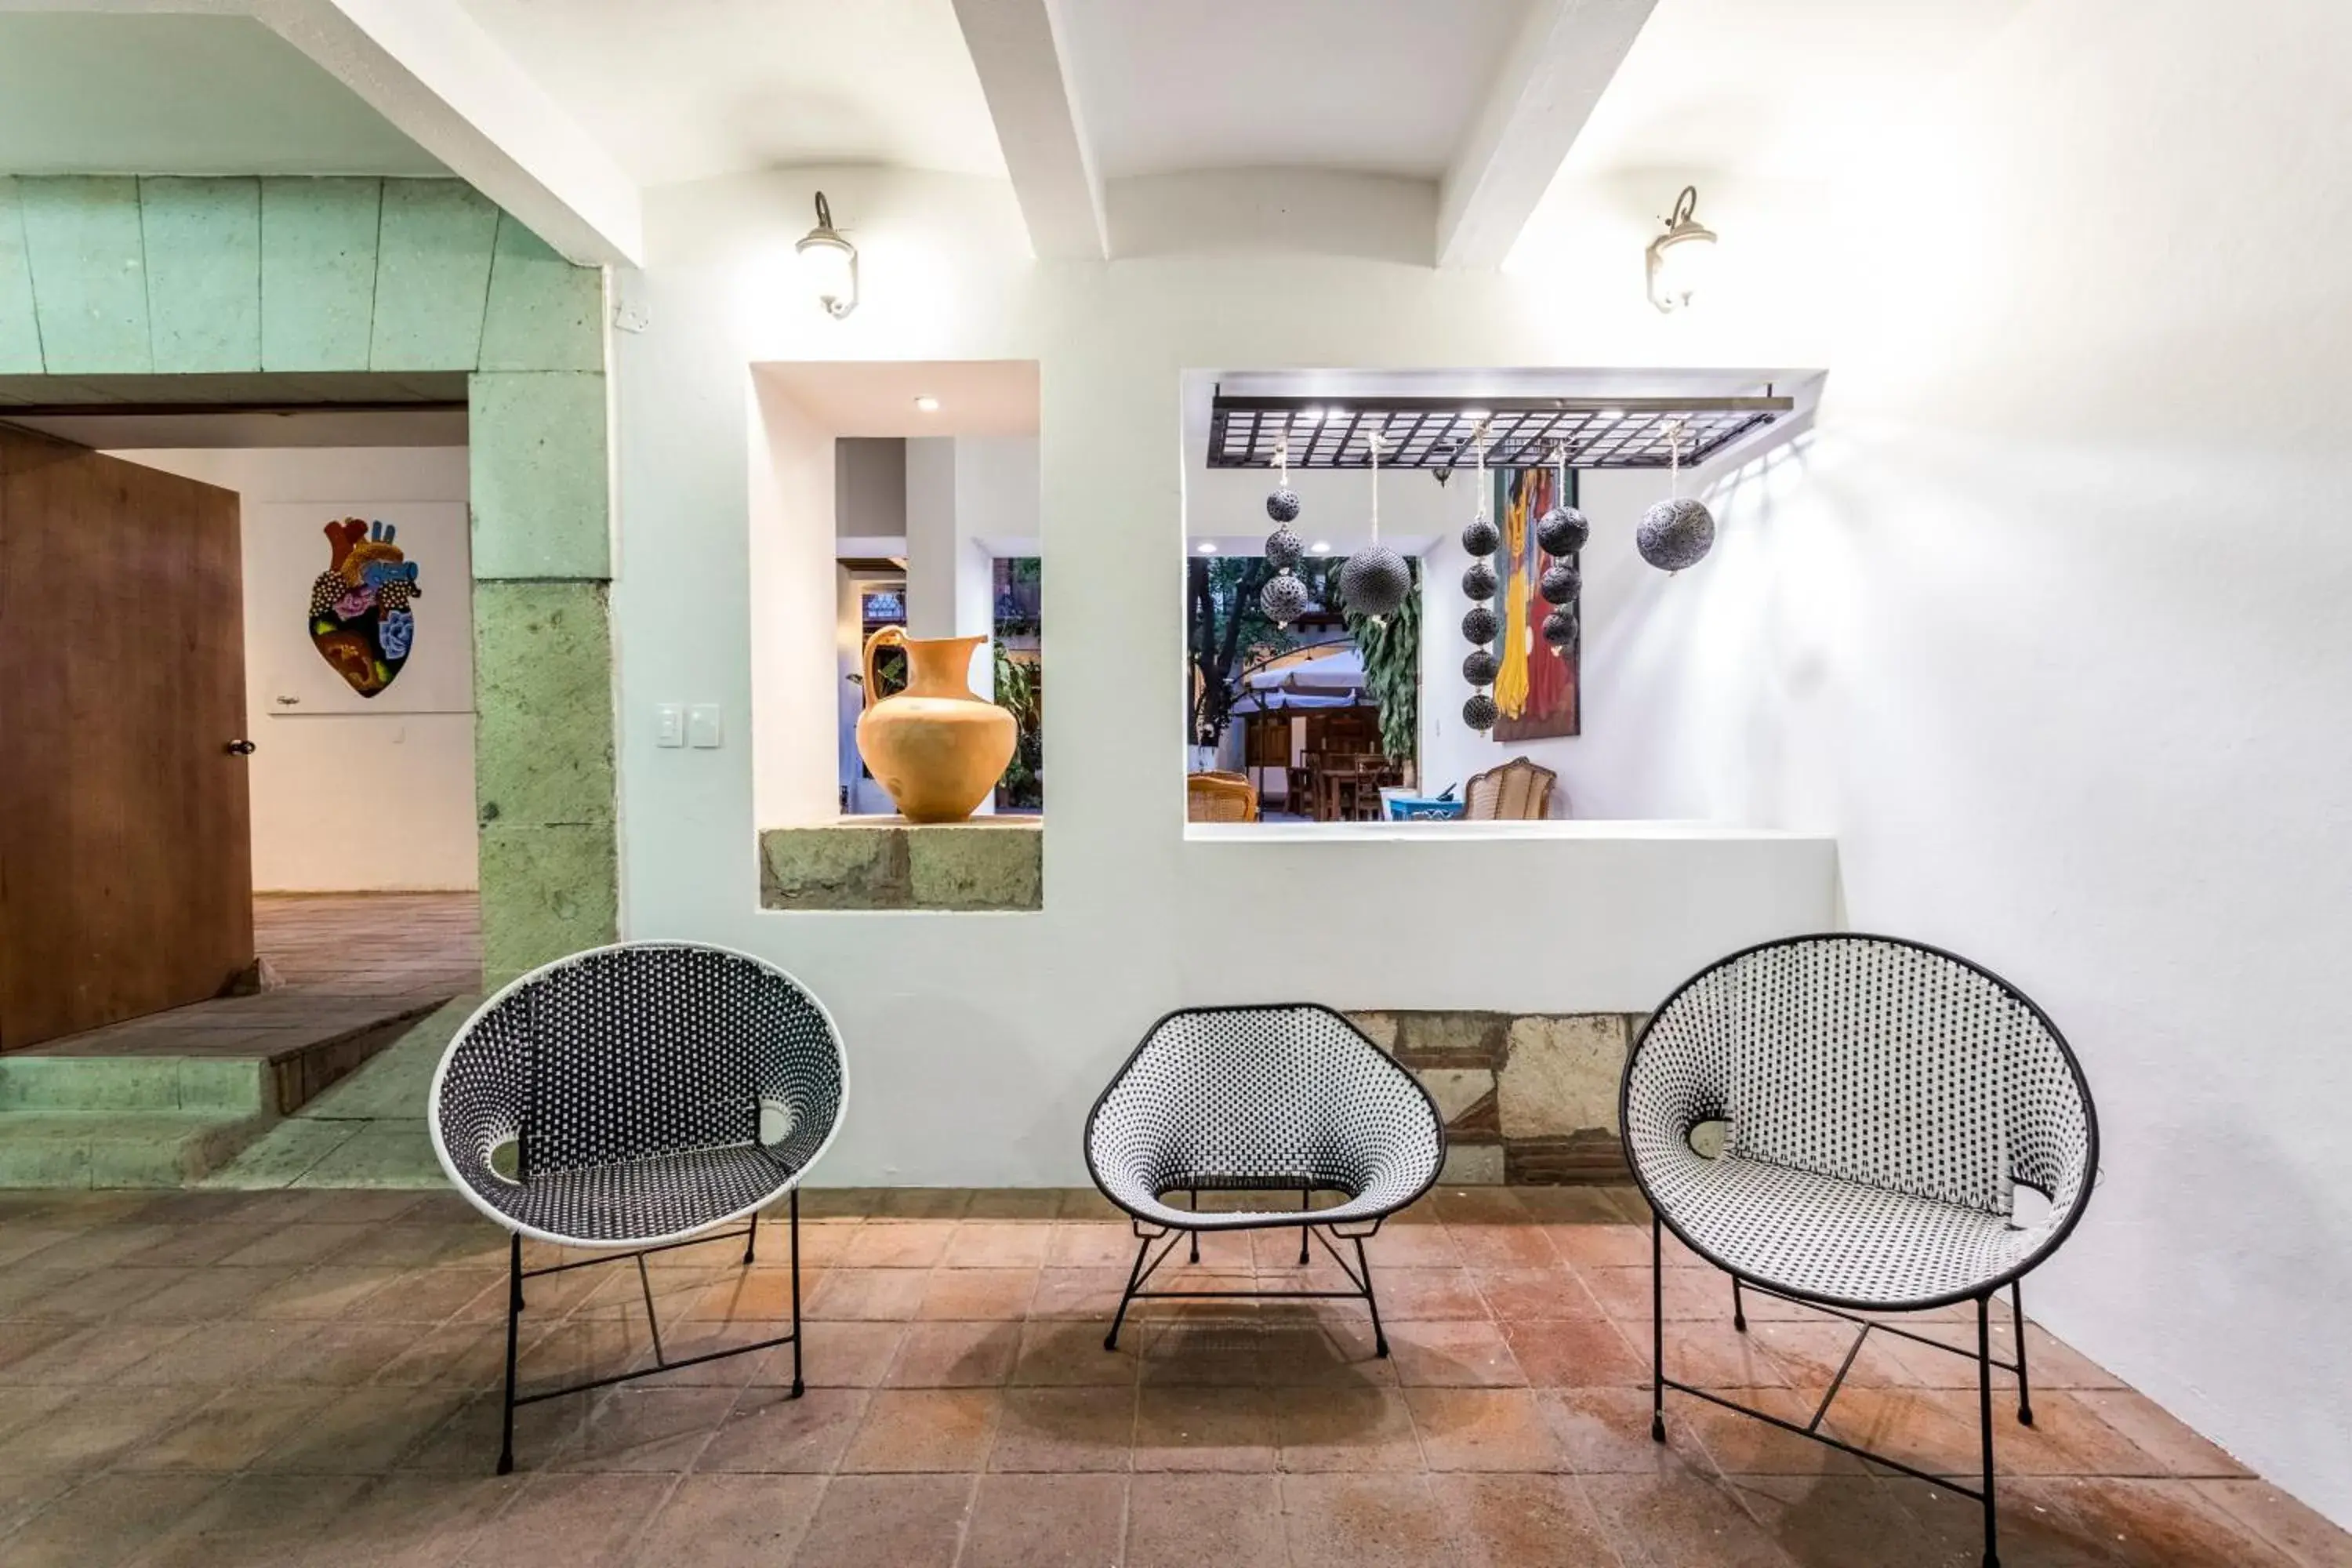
(152, 277)
(887, 863)
(1529, 1098)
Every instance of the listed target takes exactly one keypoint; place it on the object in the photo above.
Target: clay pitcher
(937, 747)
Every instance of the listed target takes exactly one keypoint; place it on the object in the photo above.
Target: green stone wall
(118, 276)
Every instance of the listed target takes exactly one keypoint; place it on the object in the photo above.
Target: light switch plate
(702, 725)
(669, 725)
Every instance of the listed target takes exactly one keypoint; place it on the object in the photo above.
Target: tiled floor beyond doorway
(372, 944)
(311, 1378)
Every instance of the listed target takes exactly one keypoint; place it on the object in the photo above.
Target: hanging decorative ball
(1478, 626)
(1481, 537)
(1284, 550)
(1284, 598)
(1480, 713)
(1375, 581)
(1283, 505)
(1675, 533)
(1563, 531)
(1479, 667)
(1560, 582)
(1559, 627)
(1478, 581)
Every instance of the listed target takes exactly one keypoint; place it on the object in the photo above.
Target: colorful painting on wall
(360, 617)
(1540, 689)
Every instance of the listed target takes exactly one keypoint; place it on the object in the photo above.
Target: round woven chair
(1845, 1121)
(638, 1097)
(1287, 1098)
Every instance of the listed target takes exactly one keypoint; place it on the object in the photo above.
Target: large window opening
(1432, 597)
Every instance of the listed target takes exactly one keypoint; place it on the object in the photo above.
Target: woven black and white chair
(1254, 1098)
(1873, 1107)
(638, 1097)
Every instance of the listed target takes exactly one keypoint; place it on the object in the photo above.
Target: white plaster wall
(784, 593)
(1679, 717)
(365, 802)
(2047, 623)
(977, 1041)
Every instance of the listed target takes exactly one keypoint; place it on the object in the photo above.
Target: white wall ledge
(1442, 833)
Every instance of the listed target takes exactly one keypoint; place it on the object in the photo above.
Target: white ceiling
(87, 94)
(1775, 89)
(877, 397)
(1387, 87)
(686, 90)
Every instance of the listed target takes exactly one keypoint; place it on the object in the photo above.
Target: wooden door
(126, 870)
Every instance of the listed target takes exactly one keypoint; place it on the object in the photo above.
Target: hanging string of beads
(1678, 531)
(1480, 539)
(1376, 579)
(1284, 598)
(1563, 533)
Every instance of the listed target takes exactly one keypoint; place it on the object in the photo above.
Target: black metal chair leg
(1134, 1277)
(1196, 1235)
(1739, 1307)
(2017, 1321)
(1364, 1272)
(1984, 1416)
(1306, 1197)
(750, 1239)
(793, 1222)
(514, 1317)
(1658, 1332)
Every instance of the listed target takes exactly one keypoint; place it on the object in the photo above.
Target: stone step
(120, 1148)
(220, 1086)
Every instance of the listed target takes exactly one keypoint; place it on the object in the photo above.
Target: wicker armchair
(1519, 791)
(1878, 1104)
(1219, 798)
(1280, 1098)
(638, 1096)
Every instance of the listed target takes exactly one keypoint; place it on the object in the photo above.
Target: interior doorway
(295, 853)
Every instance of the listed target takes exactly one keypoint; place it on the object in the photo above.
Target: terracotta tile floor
(301, 1378)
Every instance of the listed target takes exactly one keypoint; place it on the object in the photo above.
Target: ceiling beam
(428, 68)
(432, 71)
(1565, 54)
(1016, 44)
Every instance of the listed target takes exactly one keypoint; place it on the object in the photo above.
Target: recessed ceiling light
(1613, 413)
(1320, 547)
(927, 404)
(1206, 547)
(1314, 416)
(1472, 414)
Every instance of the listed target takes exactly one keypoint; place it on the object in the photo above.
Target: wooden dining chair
(1519, 791)
(1219, 798)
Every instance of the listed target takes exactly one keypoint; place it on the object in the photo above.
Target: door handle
(240, 747)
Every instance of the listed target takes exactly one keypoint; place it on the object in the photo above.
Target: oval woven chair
(1869, 1109)
(1285, 1097)
(638, 1097)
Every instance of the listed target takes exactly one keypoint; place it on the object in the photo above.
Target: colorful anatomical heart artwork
(360, 618)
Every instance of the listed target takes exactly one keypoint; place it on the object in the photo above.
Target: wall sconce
(829, 263)
(1681, 258)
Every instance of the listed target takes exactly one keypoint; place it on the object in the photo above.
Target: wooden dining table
(1341, 784)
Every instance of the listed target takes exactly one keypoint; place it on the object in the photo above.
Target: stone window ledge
(988, 864)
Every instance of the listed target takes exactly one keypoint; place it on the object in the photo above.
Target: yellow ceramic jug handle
(884, 637)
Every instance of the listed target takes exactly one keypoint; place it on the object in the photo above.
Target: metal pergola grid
(1249, 432)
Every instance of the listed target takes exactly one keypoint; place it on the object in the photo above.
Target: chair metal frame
(1356, 1232)
(1982, 1295)
(700, 1236)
